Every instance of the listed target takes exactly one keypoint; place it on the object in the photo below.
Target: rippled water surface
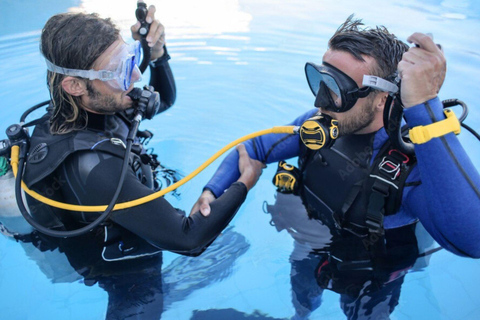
(238, 66)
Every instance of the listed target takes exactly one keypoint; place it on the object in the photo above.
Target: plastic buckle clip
(393, 168)
(389, 167)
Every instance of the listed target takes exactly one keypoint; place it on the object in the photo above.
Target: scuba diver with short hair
(351, 175)
(440, 186)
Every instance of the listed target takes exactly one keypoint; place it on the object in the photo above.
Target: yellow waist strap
(422, 134)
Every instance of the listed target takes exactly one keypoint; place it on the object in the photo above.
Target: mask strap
(103, 75)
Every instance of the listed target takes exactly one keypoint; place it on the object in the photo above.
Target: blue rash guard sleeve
(447, 201)
(267, 149)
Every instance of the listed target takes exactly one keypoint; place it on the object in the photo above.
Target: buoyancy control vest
(106, 134)
(346, 190)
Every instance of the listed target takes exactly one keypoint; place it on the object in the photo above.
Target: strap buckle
(391, 166)
(392, 169)
(375, 224)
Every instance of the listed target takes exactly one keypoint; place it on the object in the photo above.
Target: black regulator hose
(72, 233)
(455, 102)
(147, 104)
(146, 55)
(31, 109)
(393, 127)
(386, 112)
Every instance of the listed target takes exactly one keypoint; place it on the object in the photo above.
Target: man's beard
(355, 123)
(101, 103)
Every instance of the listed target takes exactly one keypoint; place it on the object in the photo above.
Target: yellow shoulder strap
(422, 134)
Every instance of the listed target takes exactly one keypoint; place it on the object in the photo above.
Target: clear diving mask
(120, 73)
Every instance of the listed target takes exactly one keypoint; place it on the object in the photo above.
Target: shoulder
(301, 119)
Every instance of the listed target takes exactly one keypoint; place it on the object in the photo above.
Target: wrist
(409, 104)
(161, 59)
(421, 114)
(248, 178)
(208, 193)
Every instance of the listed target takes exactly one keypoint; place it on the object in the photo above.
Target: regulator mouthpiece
(146, 102)
(320, 131)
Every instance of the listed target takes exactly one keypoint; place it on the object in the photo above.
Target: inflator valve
(141, 14)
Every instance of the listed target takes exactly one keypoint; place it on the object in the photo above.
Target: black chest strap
(384, 188)
(388, 176)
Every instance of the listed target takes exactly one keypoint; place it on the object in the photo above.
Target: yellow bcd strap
(423, 134)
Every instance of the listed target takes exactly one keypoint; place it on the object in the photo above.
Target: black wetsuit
(88, 174)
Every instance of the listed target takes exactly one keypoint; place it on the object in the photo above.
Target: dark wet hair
(73, 40)
(377, 43)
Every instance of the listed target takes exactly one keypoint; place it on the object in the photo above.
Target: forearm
(450, 186)
(155, 221)
(163, 81)
(164, 227)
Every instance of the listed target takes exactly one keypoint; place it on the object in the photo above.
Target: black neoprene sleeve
(91, 179)
(163, 81)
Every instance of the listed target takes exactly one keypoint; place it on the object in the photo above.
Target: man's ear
(380, 101)
(74, 86)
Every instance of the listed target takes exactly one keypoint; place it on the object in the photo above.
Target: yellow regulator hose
(158, 194)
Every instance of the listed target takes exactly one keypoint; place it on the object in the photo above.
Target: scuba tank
(11, 220)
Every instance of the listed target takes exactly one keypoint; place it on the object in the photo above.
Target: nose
(136, 75)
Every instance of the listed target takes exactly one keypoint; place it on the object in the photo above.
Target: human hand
(250, 170)
(422, 70)
(203, 203)
(156, 34)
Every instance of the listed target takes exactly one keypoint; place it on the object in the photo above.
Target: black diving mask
(335, 91)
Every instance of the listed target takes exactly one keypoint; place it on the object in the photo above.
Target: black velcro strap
(339, 216)
(386, 183)
(376, 207)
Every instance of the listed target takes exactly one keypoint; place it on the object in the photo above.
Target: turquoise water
(239, 68)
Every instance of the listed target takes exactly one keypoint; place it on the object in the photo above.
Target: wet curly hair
(377, 43)
(73, 40)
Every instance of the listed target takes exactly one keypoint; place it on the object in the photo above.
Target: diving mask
(120, 73)
(335, 91)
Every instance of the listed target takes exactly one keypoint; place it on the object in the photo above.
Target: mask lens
(136, 51)
(316, 77)
(130, 64)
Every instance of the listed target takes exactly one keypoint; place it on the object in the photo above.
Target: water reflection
(137, 288)
(252, 64)
(368, 280)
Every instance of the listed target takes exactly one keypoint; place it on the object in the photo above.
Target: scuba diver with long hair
(76, 150)
(358, 173)
(87, 150)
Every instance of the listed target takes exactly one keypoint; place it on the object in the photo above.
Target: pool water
(238, 66)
